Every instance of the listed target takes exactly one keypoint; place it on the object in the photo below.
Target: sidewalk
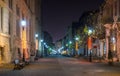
(7, 66)
(95, 60)
(10, 66)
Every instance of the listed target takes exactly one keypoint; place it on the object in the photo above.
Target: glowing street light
(24, 44)
(89, 31)
(76, 45)
(41, 40)
(36, 39)
(36, 35)
(23, 23)
(70, 42)
(44, 43)
(90, 44)
(76, 38)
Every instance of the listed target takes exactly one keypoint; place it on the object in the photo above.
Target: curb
(6, 66)
(97, 60)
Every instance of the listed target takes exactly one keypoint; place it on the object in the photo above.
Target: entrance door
(1, 53)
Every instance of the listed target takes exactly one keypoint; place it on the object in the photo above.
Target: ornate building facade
(17, 30)
(111, 19)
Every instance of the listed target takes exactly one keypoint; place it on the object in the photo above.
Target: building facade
(4, 32)
(111, 19)
(17, 30)
(38, 28)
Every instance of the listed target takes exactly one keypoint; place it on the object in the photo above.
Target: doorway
(1, 53)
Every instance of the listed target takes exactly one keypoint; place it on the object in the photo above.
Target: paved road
(63, 66)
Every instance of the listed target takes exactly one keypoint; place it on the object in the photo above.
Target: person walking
(16, 64)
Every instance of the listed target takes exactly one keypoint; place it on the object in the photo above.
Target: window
(10, 4)
(17, 28)
(27, 3)
(119, 7)
(1, 53)
(17, 11)
(111, 11)
(115, 8)
(30, 29)
(10, 18)
(19, 53)
(1, 18)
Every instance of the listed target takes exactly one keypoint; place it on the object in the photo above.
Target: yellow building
(4, 32)
(17, 29)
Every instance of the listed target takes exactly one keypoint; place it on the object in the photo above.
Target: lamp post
(23, 23)
(36, 35)
(36, 42)
(76, 46)
(90, 44)
(70, 48)
(42, 47)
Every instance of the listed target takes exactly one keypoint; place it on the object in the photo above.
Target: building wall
(13, 36)
(27, 35)
(111, 14)
(38, 27)
(5, 55)
(118, 45)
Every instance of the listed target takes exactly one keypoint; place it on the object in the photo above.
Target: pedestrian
(16, 64)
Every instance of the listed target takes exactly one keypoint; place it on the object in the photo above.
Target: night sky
(58, 14)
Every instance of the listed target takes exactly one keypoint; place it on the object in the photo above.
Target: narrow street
(63, 66)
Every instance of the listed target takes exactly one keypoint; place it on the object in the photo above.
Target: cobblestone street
(63, 66)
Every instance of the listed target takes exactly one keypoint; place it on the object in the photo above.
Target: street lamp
(70, 48)
(41, 40)
(36, 35)
(36, 41)
(90, 44)
(76, 38)
(23, 24)
(89, 32)
(70, 42)
(76, 45)
(42, 47)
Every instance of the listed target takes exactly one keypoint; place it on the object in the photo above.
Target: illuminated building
(38, 28)
(17, 38)
(5, 51)
(111, 19)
